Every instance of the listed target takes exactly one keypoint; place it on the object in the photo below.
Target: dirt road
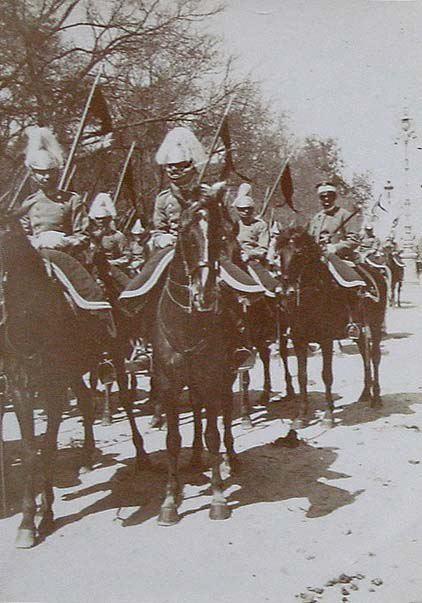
(340, 514)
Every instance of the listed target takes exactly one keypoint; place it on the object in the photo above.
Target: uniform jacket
(114, 244)
(168, 207)
(254, 238)
(62, 212)
(369, 243)
(330, 222)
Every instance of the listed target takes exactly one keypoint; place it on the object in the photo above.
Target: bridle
(189, 273)
(295, 286)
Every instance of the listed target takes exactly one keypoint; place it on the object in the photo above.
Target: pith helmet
(180, 145)
(137, 228)
(43, 151)
(102, 207)
(243, 199)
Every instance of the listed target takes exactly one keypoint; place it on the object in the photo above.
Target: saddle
(137, 292)
(76, 281)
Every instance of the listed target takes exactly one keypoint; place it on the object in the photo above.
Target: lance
(79, 131)
(215, 140)
(19, 190)
(123, 173)
(346, 220)
(69, 180)
(276, 183)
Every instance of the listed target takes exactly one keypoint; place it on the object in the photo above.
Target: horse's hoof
(168, 516)
(246, 423)
(290, 394)
(219, 511)
(85, 468)
(157, 422)
(328, 421)
(297, 424)
(376, 403)
(364, 397)
(46, 526)
(264, 398)
(25, 538)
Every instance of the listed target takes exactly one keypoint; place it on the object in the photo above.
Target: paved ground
(339, 514)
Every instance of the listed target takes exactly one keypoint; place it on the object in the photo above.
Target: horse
(46, 347)
(396, 268)
(266, 322)
(193, 346)
(318, 312)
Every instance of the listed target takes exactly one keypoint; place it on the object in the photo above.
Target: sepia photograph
(210, 301)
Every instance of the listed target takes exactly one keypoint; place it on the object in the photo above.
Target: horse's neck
(177, 270)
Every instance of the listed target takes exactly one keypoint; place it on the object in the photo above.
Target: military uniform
(115, 247)
(168, 207)
(369, 243)
(329, 221)
(254, 238)
(62, 212)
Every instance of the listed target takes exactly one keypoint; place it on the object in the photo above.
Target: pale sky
(341, 68)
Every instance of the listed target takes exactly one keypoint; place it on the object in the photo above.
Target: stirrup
(244, 359)
(353, 331)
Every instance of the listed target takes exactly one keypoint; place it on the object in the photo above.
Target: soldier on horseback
(182, 155)
(333, 223)
(254, 240)
(369, 243)
(57, 224)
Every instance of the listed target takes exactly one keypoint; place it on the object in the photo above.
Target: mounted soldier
(333, 224)
(137, 251)
(109, 241)
(182, 155)
(369, 243)
(254, 240)
(57, 223)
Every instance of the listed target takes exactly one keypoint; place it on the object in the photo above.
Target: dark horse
(46, 347)
(318, 312)
(396, 267)
(192, 346)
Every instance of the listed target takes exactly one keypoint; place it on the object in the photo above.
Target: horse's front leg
(227, 408)
(327, 377)
(55, 403)
(399, 284)
(219, 508)
(284, 354)
(86, 405)
(197, 444)
(301, 349)
(157, 420)
(264, 353)
(23, 404)
(168, 511)
(364, 345)
(376, 335)
(245, 418)
(142, 460)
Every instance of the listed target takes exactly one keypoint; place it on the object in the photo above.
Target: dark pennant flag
(229, 166)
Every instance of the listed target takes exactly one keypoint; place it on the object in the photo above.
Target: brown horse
(318, 312)
(46, 347)
(193, 347)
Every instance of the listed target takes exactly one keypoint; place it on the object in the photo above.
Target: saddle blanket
(75, 279)
(153, 270)
(344, 272)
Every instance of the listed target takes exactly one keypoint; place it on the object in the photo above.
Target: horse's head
(198, 249)
(296, 250)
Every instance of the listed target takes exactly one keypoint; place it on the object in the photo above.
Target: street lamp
(407, 135)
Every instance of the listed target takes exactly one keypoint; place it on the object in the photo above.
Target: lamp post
(408, 238)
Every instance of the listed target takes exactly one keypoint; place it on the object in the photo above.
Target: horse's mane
(301, 239)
